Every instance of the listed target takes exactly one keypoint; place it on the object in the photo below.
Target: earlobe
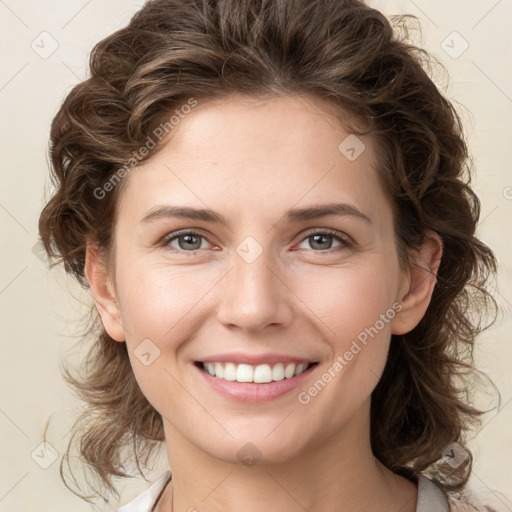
(103, 292)
(417, 289)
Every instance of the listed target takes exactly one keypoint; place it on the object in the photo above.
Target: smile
(259, 374)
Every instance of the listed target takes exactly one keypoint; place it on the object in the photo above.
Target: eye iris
(189, 237)
(316, 238)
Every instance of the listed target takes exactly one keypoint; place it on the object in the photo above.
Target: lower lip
(250, 392)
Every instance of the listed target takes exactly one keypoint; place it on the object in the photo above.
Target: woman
(270, 204)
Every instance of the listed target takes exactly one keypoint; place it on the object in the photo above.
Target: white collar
(431, 498)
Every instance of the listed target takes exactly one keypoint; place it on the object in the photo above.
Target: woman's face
(274, 282)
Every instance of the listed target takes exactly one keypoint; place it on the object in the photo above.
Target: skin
(252, 160)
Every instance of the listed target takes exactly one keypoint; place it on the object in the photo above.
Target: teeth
(300, 368)
(229, 371)
(278, 372)
(289, 371)
(257, 374)
(262, 373)
(219, 370)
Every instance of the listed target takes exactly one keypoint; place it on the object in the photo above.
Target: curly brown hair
(365, 65)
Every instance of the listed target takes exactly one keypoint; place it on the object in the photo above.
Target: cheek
(161, 309)
(160, 301)
(354, 308)
(347, 300)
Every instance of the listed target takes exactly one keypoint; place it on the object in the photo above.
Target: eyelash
(345, 241)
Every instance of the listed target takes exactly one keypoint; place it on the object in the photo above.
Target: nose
(254, 294)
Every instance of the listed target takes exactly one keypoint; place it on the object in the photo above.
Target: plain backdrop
(45, 48)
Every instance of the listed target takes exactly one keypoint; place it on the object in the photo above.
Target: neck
(336, 473)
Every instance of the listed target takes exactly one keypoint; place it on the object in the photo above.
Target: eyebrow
(292, 215)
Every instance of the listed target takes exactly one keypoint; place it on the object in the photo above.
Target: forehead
(238, 154)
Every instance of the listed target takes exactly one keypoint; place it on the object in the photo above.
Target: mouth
(255, 374)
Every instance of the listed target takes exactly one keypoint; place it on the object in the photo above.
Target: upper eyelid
(328, 231)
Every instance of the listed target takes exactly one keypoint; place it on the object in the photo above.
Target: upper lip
(255, 359)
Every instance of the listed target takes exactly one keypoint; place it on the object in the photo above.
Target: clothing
(430, 497)
(146, 500)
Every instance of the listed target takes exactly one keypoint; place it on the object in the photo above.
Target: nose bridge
(253, 295)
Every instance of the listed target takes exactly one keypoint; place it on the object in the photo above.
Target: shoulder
(430, 495)
(463, 503)
(478, 499)
(146, 500)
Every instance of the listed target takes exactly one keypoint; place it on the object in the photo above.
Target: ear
(103, 292)
(417, 287)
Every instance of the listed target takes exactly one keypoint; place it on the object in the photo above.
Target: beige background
(40, 309)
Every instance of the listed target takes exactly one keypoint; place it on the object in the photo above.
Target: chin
(252, 449)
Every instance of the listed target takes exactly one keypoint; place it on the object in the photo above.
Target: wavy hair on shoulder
(362, 63)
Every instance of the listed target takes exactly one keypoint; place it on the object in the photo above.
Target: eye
(187, 241)
(321, 240)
